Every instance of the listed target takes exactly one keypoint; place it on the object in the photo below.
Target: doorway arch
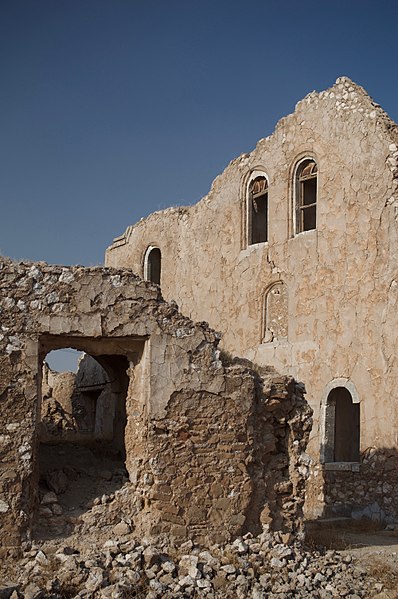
(340, 422)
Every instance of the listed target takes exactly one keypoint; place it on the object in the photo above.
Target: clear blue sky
(111, 109)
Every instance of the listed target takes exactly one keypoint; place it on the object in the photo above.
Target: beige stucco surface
(341, 279)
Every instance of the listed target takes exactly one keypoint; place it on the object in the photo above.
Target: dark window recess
(154, 266)
(306, 196)
(346, 426)
(258, 211)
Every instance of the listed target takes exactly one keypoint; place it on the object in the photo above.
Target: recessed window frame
(256, 198)
(303, 184)
(148, 266)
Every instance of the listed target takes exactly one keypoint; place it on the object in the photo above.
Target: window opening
(342, 427)
(64, 360)
(306, 196)
(258, 210)
(153, 265)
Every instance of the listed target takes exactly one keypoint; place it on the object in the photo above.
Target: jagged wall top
(345, 95)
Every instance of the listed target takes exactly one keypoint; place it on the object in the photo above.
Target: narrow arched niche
(275, 313)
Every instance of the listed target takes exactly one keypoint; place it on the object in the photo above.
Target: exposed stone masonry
(366, 490)
(212, 450)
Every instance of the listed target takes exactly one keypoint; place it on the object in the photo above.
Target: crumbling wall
(210, 452)
(223, 457)
(56, 412)
(76, 404)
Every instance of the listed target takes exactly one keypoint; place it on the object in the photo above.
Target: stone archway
(340, 422)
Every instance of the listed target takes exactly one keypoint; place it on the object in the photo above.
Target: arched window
(275, 313)
(153, 265)
(342, 427)
(258, 210)
(306, 195)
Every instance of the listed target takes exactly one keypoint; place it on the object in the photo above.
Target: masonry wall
(340, 279)
(367, 491)
(211, 449)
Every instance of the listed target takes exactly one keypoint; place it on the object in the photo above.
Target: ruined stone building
(293, 257)
(211, 449)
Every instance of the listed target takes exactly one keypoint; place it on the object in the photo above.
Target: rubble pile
(257, 567)
(80, 485)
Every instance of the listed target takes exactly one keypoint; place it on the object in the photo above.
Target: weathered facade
(293, 257)
(211, 449)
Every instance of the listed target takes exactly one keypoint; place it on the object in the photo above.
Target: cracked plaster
(340, 278)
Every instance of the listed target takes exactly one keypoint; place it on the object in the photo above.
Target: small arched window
(306, 195)
(258, 211)
(153, 265)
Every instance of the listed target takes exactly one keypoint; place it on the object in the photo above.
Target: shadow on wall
(363, 489)
(279, 468)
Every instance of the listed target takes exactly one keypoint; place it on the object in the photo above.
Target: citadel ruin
(289, 408)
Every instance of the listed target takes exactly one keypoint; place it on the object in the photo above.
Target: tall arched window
(258, 210)
(153, 265)
(306, 195)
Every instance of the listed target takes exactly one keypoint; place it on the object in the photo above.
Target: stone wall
(211, 449)
(335, 316)
(223, 462)
(366, 490)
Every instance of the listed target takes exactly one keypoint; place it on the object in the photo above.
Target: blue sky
(111, 109)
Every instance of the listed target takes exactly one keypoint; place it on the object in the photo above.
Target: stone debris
(250, 567)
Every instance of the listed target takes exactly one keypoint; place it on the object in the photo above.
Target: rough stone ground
(375, 550)
(378, 555)
(72, 479)
(102, 559)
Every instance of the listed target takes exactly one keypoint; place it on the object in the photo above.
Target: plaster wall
(341, 279)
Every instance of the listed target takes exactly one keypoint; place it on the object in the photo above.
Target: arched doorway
(341, 424)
